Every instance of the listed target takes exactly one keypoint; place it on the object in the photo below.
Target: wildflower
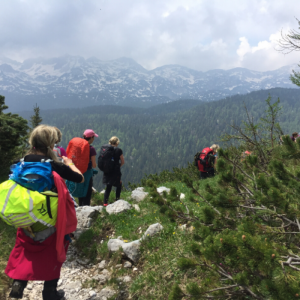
(125, 241)
(173, 232)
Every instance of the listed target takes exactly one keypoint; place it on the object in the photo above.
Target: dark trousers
(86, 201)
(47, 284)
(210, 173)
(108, 190)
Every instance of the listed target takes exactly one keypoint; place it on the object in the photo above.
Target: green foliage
(158, 139)
(35, 119)
(13, 131)
(176, 293)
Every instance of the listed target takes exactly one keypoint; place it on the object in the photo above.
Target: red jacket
(204, 152)
(66, 216)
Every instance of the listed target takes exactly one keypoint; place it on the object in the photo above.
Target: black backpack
(106, 161)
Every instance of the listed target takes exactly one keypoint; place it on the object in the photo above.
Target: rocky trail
(77, 272)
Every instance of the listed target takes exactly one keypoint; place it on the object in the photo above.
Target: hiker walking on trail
(89, 135)
(41, 246)
(110, 161)
(206, 161)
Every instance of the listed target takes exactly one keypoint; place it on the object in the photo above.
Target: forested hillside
(168, 135)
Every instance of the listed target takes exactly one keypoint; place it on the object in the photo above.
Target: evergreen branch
(196, 191)
(223, 288)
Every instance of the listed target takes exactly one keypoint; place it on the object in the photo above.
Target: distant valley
(77, 82)
(168, 135)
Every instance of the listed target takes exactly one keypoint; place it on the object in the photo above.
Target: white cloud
(196, 33)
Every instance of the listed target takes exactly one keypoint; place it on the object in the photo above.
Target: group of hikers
(38, 199)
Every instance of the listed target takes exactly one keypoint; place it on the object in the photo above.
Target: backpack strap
(49, 206)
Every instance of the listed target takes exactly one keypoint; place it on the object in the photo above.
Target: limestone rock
(118, 207)
(182, 227)
(102, 265)
(114, 245)
(139, 194)
(127, 264)
(126, 279)
(182, 196)
(106, 293)
(132, 250)
(102, 192)
(136, 207)
(161, 189)
(152, 230)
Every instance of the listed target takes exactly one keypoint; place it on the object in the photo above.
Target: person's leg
(86, 201)
(211, 172)
(18, 287)
(118, 191)
(88, 196)
(50, 290)
(203, 175)
(107, 193)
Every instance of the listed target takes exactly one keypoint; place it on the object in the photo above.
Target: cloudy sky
(199, 34)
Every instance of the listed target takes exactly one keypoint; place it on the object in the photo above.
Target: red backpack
(79, 151)
(203, 164)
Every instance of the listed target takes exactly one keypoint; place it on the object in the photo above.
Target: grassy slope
(157, 267)
(7, 242)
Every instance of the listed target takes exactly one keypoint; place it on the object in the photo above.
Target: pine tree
(245, 243)
(35, 119)
(291, 42)
(13, 129)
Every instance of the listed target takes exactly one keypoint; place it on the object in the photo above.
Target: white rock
(127, 264)
(106, 293)
(102, 278)
(136, 207)
(161, 189)
(126, 279)
(114, 245)
(102, 265)
(152, 230)
(135, 269)
(87, 211)
(94, 190)
(182, 227)
(102, 192)
(182, 196)
(141, 189)
(119, 266)
(118, 207)
(92, 293)
(138, 195)
(132, 250)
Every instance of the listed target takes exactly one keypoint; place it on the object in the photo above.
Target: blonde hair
(114, 140)
(215, 147)
(59, 135)
(41, 139)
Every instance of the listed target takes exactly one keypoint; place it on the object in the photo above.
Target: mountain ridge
(123, 82)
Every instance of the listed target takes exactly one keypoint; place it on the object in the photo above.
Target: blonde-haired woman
(114, 178)
(33, 259)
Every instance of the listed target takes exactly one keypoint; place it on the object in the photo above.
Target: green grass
(159, 255)
(7, 242)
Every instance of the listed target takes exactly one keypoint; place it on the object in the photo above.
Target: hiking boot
(105, 204)
(17, 289)
(50, 293)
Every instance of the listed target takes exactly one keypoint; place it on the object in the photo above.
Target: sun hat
(90, 133)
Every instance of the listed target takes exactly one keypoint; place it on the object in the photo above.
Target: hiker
(207, 161)
(89, 135)
(112, 175)
(57, 148)
(31, 258)
(294, 136)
